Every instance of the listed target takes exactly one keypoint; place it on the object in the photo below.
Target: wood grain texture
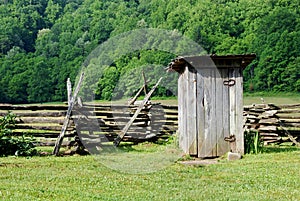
(239, 111)
(232, 108)
(183, 133)
(200, 114)
(191, 111)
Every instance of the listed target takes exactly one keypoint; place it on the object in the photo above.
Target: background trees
(42, 43)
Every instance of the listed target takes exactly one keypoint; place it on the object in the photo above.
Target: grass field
(248, 99)
(272, 175)
(281, 98)
(269, 176)
(256, 98)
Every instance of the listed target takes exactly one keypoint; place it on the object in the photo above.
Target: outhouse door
(211, 115)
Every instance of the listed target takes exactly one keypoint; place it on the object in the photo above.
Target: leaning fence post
(67, 118)
(139, 109)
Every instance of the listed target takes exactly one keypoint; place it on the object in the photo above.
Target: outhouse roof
(211, 61)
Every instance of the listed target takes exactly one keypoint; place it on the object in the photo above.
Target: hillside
(42, 43)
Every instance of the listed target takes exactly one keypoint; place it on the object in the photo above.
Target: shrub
(14, 145)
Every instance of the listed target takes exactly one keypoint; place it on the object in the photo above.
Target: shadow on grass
(280, 148)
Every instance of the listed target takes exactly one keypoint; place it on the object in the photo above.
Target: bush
(14, 145)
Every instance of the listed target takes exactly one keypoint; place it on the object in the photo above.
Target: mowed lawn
(273, 175)
(255, 99)
(267, 176)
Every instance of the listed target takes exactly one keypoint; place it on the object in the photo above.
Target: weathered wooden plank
(173, 113)
(41, 133)
(219, 111)
(191, 110)
(33, 107)
(268, 138)
(268, 114)
(213, 120)
(35, 114)
(268, 121)
(290, 110)
(283, 127)
(207, 145)
(171, 107)
(232, 108)
(290, 120)
(41, 127)
(67, 118)
(267, 128)
(200, 113)
(181, 111)
(269, 134)
(205, 149)
(288, 116)
(57, 120)
(223, 112)
(239, 111)
(257, 110)
(69, 90)
(282, 106)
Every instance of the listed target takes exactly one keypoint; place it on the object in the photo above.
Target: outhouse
(210, 103)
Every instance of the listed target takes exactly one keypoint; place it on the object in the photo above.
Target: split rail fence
(275, 123)
(44, 122)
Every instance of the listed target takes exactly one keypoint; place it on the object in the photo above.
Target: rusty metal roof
(211, 61)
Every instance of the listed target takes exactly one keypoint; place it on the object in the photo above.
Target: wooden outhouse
(210, 103)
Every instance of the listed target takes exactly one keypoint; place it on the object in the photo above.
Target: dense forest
(43, 42)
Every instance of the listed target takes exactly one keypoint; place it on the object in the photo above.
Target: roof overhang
(211, 61)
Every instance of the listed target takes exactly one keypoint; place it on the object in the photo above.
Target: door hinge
(232, 141)
(230, 82)
(231, 138)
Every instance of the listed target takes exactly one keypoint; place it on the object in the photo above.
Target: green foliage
(253, 142)
(13, 145)
(42, 43)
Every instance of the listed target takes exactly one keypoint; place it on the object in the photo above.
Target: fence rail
(275, 123)
(44, 122)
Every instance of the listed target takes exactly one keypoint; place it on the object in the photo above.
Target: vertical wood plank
(200, 113)
(221, 107)
(181, 111)
(191, 111)
(213, 120)
(206, 149)
(180, 105)
(69, 90)
(239, 111)
(223, 146)
(185, 120)
(232, 106)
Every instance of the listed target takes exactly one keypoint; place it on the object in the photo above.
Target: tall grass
(253, 143)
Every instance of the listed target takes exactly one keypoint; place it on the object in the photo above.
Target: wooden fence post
(127, 126)
(67, 118)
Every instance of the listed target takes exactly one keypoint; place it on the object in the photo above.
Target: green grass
(268, 176)
(249, 98)
(279, 98)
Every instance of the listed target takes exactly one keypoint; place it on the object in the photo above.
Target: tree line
(42, 43)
